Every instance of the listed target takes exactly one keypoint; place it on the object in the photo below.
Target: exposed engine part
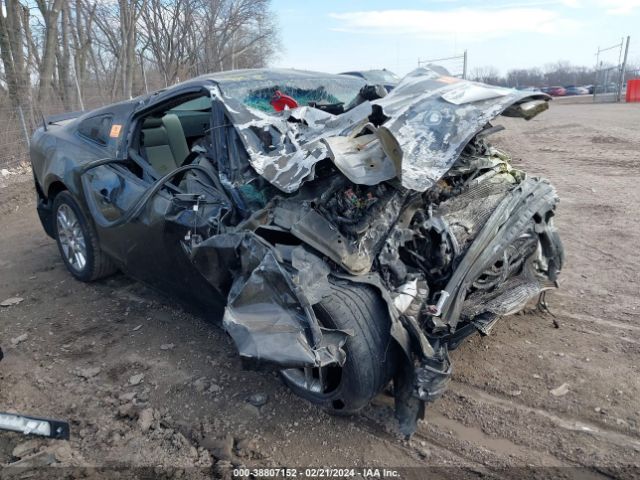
(355, 207)
(436, 310)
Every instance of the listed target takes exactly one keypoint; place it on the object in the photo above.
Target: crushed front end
(403, 193)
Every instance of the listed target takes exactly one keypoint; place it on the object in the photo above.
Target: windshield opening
(304, 87)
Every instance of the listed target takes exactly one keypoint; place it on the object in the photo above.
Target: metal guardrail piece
(27, 425)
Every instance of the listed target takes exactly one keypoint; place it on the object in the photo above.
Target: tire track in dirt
(600, 321)
(498, 453)
(567, 423)
(479, 453)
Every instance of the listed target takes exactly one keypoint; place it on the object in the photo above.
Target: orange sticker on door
(115, 130)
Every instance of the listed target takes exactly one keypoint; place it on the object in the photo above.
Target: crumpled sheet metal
(277, 331)
(312, 274)
(361, 159)
(509, 220)
(431, 117)
(268, 313)
(284, 147)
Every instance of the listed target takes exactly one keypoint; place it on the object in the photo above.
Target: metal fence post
(464, 66)
(24, 126)
(622, 68)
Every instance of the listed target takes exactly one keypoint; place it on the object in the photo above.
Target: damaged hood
(415, 133)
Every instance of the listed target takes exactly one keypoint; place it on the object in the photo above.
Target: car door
(114, 193)
(130, 215)
(110, 189)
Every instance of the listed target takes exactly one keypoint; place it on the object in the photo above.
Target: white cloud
(619, 7)
(464, 23)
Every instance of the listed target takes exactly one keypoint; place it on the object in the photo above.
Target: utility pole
(623, 68)
(464, 65)
(595, 77)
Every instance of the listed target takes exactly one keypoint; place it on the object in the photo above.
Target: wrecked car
(382, 77)
(348, 236)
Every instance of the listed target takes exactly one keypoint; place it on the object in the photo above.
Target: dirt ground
(145, 383)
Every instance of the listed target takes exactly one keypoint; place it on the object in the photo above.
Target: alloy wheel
(71, 237)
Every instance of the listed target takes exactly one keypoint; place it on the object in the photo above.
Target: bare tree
(563, 73)
(12, 27)
(130, 11)
(117, 38)
(82, 34)
(169, 31)
(63, 58)
(184, 38)
(50, 12)
(487, 74)
(525, 77)
(237, 29)
(70, 50)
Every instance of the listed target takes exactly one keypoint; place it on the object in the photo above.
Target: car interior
(164, 143)
(165, 137)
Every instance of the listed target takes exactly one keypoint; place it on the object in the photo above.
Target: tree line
(559, 73)
(66, 54)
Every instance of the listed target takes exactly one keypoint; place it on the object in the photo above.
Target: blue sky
(333, 35)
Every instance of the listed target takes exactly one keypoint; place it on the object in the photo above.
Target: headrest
(152, 122)
(172, 119)
(154, 137)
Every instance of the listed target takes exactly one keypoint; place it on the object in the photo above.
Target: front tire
(77, 241)
(370, 352)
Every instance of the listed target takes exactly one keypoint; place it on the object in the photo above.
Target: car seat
(164, 144)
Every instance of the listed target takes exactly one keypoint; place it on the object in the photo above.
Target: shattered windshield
(382, 77)
(256, 88)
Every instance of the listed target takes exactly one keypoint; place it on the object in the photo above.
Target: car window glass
(195, 104)
(96, 128)
(256, 90)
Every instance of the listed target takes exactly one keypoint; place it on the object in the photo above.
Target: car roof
(233, 76)
(383, 75)
(234, 81)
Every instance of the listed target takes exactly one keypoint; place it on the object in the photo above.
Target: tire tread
(358, 307)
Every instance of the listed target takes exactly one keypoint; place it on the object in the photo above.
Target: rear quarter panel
(56, 155)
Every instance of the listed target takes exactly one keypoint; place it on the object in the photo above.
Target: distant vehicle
(574, 90)
(555, 91)
(377, 77)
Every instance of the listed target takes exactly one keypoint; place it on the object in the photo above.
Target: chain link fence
(20, 122)
(456, 65)
(14, 137)
(607, 84)
(610, 72)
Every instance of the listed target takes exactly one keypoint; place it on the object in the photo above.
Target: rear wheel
(78, 241)
(370, 352)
